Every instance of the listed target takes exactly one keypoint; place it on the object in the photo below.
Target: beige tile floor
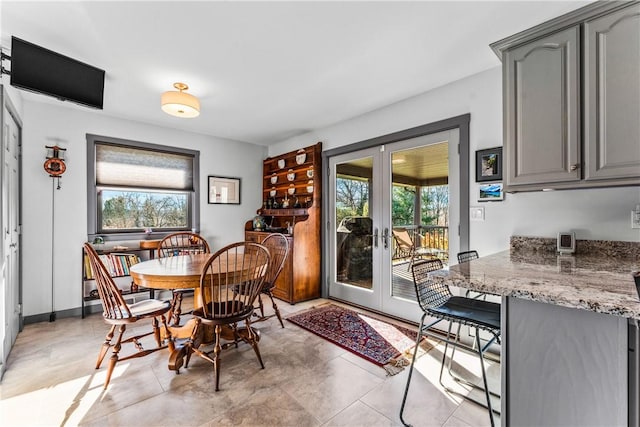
(307, 381)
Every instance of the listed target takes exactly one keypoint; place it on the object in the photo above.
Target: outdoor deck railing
(429, 236)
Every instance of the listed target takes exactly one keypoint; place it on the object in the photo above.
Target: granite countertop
(591, 282)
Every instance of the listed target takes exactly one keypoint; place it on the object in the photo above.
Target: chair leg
(410, 262)
(216, 356)
(457, 378)
(260, 305)
(251, 337)
(453, 351)
(114, 357)
(156, 331)
(444, 354)
(484, 377)
(168, 336)
(413, 361)
(480, 351)
(105, 346)
(275, 308)
(194, 340)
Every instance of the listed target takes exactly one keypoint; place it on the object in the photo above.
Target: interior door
(365, 268)
(11, 231)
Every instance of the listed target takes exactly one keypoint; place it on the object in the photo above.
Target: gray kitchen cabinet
(542, 94)
(612, 95)
(571, 100)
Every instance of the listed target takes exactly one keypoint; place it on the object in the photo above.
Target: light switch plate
(635, 219)
(476, 213)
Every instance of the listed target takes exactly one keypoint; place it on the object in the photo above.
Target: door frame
(6, 102)
(460, 122)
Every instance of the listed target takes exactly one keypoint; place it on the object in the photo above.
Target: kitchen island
(569, 330)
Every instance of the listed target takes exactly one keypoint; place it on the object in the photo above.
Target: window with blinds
(142, 188)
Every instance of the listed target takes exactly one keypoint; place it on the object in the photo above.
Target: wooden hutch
(294, 182)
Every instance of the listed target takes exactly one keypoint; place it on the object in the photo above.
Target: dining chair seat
(223, 312)
(146, 307)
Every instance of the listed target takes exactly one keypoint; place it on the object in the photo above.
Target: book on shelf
(116, 264)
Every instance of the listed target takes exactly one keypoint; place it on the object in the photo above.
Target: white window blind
(142, 168)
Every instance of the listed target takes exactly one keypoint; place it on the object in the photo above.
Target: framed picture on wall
(489, 164)
(491, 192)
(224, 190)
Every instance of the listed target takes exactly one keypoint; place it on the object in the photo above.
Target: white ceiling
(266, 71)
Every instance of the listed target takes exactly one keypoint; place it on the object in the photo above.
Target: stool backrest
(430, 293)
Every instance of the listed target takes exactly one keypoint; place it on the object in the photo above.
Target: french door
(377, 190)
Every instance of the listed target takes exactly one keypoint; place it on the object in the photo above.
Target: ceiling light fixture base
(180, 103)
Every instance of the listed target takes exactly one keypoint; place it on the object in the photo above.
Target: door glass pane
(354, 183)
(419, 211)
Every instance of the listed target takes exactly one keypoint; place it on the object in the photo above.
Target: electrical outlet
(476, 213)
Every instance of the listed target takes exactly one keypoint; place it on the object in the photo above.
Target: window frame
(93, 199)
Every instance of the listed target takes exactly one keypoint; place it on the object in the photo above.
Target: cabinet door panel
(541, 107)
(284, 283)
(612, 95)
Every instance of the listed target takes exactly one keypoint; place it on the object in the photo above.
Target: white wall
(13, 95)
(46, 124)
(592, 213)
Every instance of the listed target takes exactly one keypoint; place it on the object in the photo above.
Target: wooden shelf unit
(105, 249)
(300, 278)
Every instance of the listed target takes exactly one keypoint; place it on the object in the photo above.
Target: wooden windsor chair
(229, 285)
(119, 314)
(278, 246)
(181, 243)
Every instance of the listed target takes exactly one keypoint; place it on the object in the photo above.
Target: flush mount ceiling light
(180, 104)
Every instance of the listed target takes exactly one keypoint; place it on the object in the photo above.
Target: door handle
(385, 238)
(375, 238)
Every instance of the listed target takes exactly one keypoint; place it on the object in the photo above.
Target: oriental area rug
(379, 342)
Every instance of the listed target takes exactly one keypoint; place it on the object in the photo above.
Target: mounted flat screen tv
(41, 70)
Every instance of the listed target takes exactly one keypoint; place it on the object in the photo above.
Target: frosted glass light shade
(179, 103)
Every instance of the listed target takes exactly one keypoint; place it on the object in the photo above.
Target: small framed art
(491, 192)
(224, 190)
(489, 164)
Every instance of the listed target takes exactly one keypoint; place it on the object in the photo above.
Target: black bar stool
(436, 300)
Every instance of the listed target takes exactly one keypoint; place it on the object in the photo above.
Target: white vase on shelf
(301, 157)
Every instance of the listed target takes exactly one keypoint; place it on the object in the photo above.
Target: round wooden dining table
(181, 272)
(175, 272)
